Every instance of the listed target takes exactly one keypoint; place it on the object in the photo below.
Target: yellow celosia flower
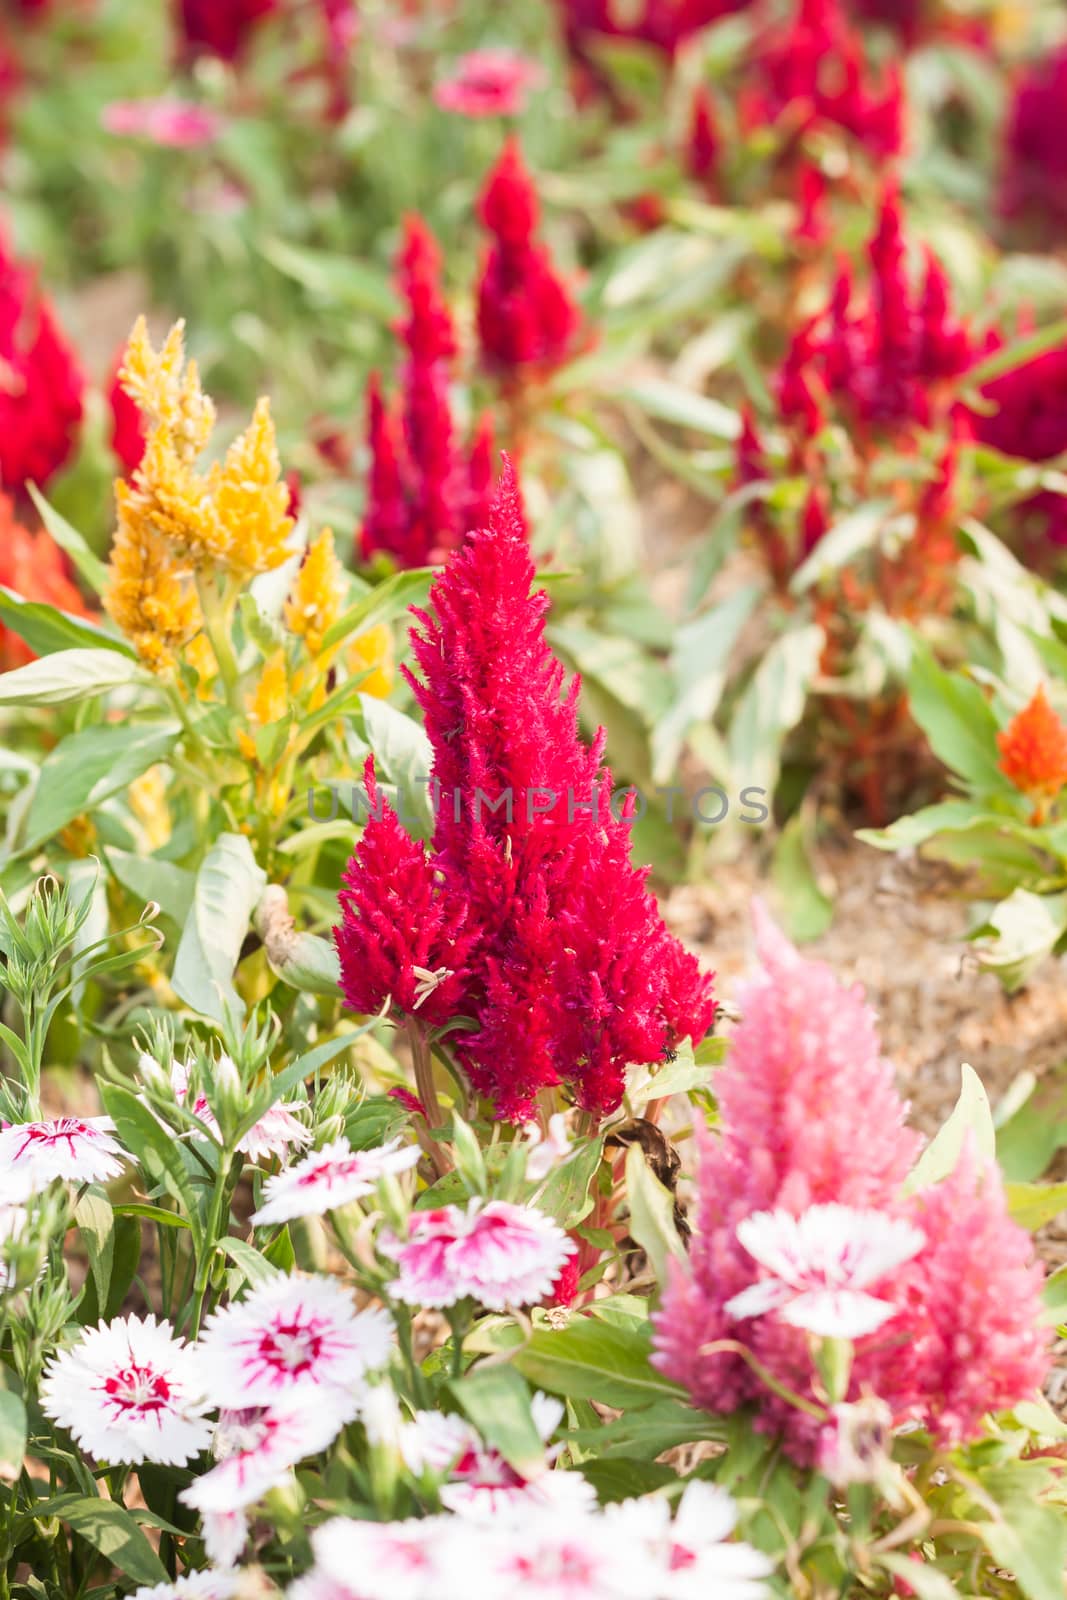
(318, 593)
(146, 596)
(167, 390)
(250, 500)
(374, 650)
(199, 655)
(148, 801)
(268, 702)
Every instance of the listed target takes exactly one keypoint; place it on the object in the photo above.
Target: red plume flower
(222, 28)
(573, 975)
(1034, 163)
(1029, 420)
(127, 424)
(702, 141)
(423, 493)
(526, 317)
(403, 935)
(664, 25)
(41, 385)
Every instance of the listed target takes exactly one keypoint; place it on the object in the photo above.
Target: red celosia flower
(813, 71)
(573, 975)
(812, 227)
(423, 494)
(489, 83)
(1030, 421)
(32, 565)
(664, 25)
(576, 975)
(1033, 749)
(340, 21)
(810, 1116)
(40, 383)
(1034, 172)
(702, 140)
(404, 935)
(221, 27)
(526, 317)
(127, 424)
(887, 362)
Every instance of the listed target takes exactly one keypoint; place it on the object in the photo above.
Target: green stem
(214, 1229)
(216, 608)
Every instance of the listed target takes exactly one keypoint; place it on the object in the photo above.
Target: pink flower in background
(129, 1391)
(496, 1253)
(173, 124)
(34, 1154)
(291, 1336)
(329, 1178)
(489, 83)
(820, 1266)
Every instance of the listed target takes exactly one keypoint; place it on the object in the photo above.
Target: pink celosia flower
(330, 1178)
(221, 27)
(489, 83)
(423, 494)
(976, 1340)
(820, 1266)
(527, 320)
(290, 1337)
(257, 1450)
(493, 1252)
(34, 1154)
(810, 1119)
(1034, 162)
(177, 124)
(129, 1391)
(41, 386)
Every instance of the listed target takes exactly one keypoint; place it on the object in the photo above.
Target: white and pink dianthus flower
(34, 1154)
(330, 1178)
(256, 1450)
(491, 1251)
(129, 1391)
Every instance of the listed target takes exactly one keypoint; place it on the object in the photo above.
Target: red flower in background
(127, 423)
(34, 567)
(813, 70)
(1034, 162)
(664, 25)
(1033, 749)
(702, 140)
(526, 318)
(1030, 421)
(424, 493)
(221, 27)
(489, 83)
(41, 385)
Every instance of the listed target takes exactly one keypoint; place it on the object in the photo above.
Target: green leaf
(228, 887)
(151, 878)
(384, 602)
(670, 402)
(88, 767)
(403, 756)
(152, 1145)
(13, 1429)
(594, 1359)
(497, 1402)
(111, 1530)
(906, 833)
(47, 629)
(698, 666)
(91, 568)
(251, 1263)
(841, 544)
(1028, 1538)
(958, 721)
(807, 909)
(970, 1116)
(1032, 1205)
(1019, 933)
(652, 1223)
(922, 1579)
(342, 281)
(680, 1076)
(1019, 352)
(565, 1194)
(771, 706)
(648, 1432)
(66, 676)
(96, 1224)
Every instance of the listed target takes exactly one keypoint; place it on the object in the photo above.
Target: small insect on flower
(129, 1392)
(329, 1178)
(34, 1154)
(291, 1336)
(494, 1252)
(257, 1449)
(821, 1264)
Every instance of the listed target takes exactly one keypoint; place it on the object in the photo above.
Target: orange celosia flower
(267, 703)
(32, 565)
(147, 596)
(1033, 752)
(250, 500)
